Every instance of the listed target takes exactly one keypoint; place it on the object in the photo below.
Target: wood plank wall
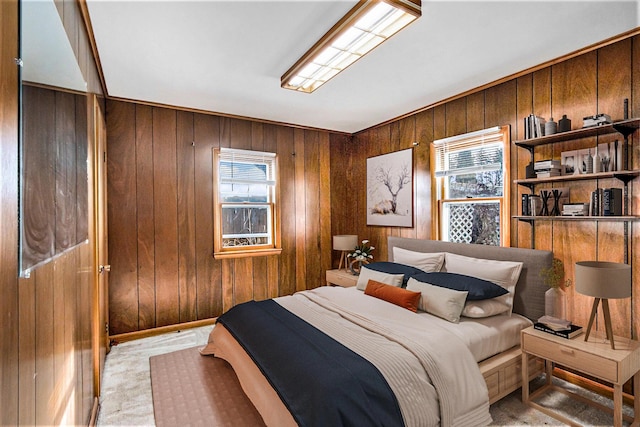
(46, 319)
(594, 82)
(160, 211)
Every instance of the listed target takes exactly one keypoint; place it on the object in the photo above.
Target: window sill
(246, 253)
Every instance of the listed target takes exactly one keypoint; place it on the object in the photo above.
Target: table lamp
(345, 243)
(603, 281)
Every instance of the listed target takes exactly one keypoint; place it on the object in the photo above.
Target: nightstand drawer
(572, 357)
(341, 278)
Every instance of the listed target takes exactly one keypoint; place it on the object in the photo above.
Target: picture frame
(390, 189)
(569, 162)
(583, 160)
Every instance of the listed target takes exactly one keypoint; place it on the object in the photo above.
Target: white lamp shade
(345, 242)
(601, 279)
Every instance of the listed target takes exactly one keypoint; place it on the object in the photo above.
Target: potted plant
(361, 255)
(555, 299)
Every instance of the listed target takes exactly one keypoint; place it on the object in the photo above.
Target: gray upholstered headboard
(530, 289)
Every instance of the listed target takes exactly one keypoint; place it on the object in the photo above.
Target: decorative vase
(555, 303)
(355, 266)
(564, 124)
(550, 127)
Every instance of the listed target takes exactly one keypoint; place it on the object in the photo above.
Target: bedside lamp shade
(603, 281)
(345, 243)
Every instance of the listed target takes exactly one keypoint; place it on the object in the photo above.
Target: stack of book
(560, 327)
(533, 126)
(547, 168)
(575, 209)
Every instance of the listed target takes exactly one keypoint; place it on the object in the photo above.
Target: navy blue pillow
(478, 289)
(395, 268)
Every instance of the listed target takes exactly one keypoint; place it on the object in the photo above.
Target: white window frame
(440, 171)
(273, 246)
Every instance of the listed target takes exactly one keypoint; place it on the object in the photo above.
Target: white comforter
(432, 373)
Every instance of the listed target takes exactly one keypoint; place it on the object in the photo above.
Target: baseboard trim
(130, 336)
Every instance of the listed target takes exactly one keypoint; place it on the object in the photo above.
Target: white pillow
(485, 308)
(367, 274)
(426, 261)
(502, 273)
(442, 302)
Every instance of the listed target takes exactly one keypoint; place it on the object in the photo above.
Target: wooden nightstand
(341, 278)
(594, 357)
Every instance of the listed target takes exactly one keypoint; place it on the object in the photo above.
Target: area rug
(193, 390)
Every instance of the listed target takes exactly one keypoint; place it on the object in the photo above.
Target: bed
(434, 369)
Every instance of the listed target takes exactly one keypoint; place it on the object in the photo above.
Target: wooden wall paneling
(10, 375)
(339, 163)
(326, 244)
(57, 400)
(81, 168)
(185, 151)
(634, 238)
(579, 245)
(424, 136)
(209, 271)
(85, 299)
(575, 88)
(312, 233)
(242, 280)
(45, 378)
(439, 132)
(358, 186)
(456, 117)
(378, 144)
(501, 105)
(286, 177)
(300, 209)
(121, 170)
(26, 392)
(614, 79)
(73, 377)
(634, 102)
(39, 175)
(501, 110)
(141, 120)
(260, 278)
(542, 107)
(227, 278)
(475, 111)
(166, 216)
(270, 143)
(407, 136)
(65, 173)
(524, 106)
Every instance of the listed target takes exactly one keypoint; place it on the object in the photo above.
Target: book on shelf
(533, 126)
(574, 330)
(547, 173)
(547, 164)
(612, 202)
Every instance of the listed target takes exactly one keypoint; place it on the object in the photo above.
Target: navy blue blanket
(320, 381)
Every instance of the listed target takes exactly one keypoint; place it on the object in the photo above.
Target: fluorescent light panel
(367, 25)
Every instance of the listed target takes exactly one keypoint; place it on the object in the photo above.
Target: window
(245, 203)
(471, 192)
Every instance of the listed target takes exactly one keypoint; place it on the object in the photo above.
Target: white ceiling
(228, 56)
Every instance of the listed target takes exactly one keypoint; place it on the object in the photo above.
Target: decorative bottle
(564, 124)
(550, 127)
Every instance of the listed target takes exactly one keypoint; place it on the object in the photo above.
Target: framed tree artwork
(390, 189)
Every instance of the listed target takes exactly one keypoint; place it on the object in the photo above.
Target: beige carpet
(190, 390)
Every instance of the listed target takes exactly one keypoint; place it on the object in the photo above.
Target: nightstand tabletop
(342, 278)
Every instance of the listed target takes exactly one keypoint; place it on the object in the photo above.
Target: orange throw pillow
(393, 294)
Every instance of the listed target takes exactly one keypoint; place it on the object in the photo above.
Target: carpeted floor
(126, 389)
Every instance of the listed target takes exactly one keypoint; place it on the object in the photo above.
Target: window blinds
(246, 167)
(470, 153)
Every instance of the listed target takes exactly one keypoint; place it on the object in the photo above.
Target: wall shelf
(625, 127)
(624, 176)
(575, 218)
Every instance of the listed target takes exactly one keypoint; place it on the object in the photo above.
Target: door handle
(104, 268)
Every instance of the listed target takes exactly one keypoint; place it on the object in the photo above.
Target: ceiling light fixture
(364, 27)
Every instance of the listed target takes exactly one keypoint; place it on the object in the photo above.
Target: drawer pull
(566, 350)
